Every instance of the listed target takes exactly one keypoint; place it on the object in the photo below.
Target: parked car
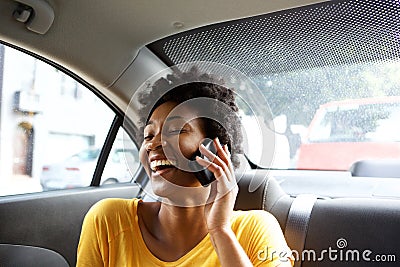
(344, 132)
(77, 170)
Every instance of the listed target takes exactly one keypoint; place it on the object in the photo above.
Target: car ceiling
(99, 40)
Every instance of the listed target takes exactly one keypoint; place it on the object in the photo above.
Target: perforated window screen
(331, 33)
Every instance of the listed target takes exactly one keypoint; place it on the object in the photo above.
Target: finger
(216, 160)
(229, 159)
(227, 150)
(221, 173)
(206, 152)
(224, 154)
(220, 155)
(217, 170)
(220, 150)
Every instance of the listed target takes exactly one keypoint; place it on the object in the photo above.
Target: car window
(342, 120)
(122, 162)
(357, 122)
(52, 127)
(300, 61)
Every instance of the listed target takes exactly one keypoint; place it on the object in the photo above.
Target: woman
(191, 225)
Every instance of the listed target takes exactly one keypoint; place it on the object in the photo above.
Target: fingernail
(219, 142)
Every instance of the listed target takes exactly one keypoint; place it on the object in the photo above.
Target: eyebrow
(168, 119)
(174, 118)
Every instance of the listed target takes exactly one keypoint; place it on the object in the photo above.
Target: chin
(180, 196)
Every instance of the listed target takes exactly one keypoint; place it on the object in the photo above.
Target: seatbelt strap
(297, 223)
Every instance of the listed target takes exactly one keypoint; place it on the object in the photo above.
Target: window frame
(119, 119)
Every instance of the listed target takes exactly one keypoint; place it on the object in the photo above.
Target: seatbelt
(297, 223)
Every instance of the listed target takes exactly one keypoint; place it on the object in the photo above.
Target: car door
(47, 116)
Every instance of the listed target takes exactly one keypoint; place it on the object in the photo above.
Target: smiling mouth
(157, 165)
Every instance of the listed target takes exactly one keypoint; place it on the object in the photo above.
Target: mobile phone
(204, 176)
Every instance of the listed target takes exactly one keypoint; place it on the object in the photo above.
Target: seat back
(28, 256)
(355, 230)
(343, 227)
(259, 190)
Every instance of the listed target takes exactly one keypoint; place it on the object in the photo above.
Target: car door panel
(53, 220)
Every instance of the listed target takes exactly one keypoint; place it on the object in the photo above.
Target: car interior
(329, 217)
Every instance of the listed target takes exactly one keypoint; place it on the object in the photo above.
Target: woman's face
(171, 137)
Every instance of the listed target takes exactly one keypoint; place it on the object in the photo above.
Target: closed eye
(174, 132)
(148, 137)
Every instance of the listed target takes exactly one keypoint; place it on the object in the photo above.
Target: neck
(180, 196)
(179, 229)
(182, 222)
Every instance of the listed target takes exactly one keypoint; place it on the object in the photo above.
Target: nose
(155, 144)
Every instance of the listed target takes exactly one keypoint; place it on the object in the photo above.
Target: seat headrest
(385, 168)
(257, 190)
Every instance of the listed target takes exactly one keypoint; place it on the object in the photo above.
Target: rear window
(357, 123)
(297, 62)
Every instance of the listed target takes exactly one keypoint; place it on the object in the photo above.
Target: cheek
(189, 147)
(180, 146)
(144, 158)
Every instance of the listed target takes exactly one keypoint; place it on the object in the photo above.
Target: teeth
(163, 162)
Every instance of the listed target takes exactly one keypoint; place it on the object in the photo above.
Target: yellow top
(111, 237)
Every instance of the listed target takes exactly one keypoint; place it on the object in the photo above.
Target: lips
(161, 164)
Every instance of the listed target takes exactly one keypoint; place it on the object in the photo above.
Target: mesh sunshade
(331, 33)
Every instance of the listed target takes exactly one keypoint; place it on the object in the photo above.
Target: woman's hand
(219, 209)
(224, 190)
